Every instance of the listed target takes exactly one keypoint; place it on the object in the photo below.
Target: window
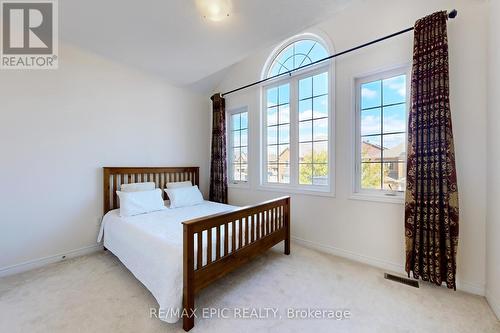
(381, 133)
(296, 119)
(278, 134)
(297, 54)
(313, 130)
(238, 146)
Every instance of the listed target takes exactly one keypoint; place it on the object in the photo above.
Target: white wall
(493, 215)
(372, 231)
(58, 128)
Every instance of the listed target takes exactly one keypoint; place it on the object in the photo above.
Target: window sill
(239, 185)
(286, 190)
(396, 199)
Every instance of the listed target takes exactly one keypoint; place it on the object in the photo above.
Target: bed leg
(287, 226)
(188, 315)
(188, 280)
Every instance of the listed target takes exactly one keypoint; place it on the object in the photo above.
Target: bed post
(188, 279)
(106, 189)
(287, 226)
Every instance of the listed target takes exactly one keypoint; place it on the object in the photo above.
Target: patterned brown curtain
(218, 163)
(431, 210)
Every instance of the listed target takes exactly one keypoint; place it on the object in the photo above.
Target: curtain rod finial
(452, 14)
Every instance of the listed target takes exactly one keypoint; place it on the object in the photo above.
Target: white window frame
(294, 186)
(375, 194)
(229, 139)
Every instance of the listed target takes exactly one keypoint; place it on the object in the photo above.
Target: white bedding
(150, 246)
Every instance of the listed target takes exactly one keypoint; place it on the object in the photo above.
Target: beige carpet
(96, 293)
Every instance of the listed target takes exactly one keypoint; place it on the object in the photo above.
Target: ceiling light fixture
(214, 10)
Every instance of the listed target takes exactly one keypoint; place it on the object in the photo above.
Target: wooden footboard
(231, 239)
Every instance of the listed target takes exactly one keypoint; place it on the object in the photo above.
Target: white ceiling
(170, 38)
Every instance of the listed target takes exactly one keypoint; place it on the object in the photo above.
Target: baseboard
(372, 261)
(494, 304)
(37, 263)
(380, 263)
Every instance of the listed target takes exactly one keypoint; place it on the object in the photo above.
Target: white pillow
(135, 187)
(184, 196)
(135, 203)
(179, 184)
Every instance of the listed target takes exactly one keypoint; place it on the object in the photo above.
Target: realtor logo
(29, 34)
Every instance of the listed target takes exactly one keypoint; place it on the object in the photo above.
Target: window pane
(304, 47)
(244, 155)
(284, 94)
(371, 94)
(236, 155)
(305, 88)
(287, 65)
(305, 174)
(394, 90)
(272, 97)
(371, 175)
(284, 114)
(284, 173)
(244, 172)
(272, 116)
(394, 176)
(320, 152)
(301, 60)
(244, 137)
(320, 84)
(236, 171)
(272, 173)
(395, 118)
(284, 134)
(274, 69)
(283, 68)
(284, 154)
(272, 135)
(394, 147)
(235, 118)
(305, 109)
(318, 52)
(272, 154)
(305, 131)
(320, 129)
(244, 120)
(371, 122)
(305, 152)
(297, 54)
(320, 174)
(236, 138)
(320, 106)
(371, 148)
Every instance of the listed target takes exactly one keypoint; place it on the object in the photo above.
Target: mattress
(150, 246)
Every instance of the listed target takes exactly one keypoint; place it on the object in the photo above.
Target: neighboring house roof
(395, 152)
(372, 151)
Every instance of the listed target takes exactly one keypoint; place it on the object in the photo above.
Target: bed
(177, 252)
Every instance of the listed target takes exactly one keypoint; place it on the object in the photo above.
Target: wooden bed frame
(268, 224)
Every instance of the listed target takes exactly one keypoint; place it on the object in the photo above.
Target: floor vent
(409, 282)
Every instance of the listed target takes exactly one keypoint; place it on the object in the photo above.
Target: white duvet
(150, 246)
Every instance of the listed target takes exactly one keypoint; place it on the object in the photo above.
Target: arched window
(297, 54)
(296, 117)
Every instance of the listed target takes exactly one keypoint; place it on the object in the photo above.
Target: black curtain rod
(452, 14)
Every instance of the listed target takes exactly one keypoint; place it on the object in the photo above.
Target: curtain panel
(218, 162)
(431, 208)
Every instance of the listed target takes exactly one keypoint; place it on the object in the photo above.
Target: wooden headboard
(114, 177)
